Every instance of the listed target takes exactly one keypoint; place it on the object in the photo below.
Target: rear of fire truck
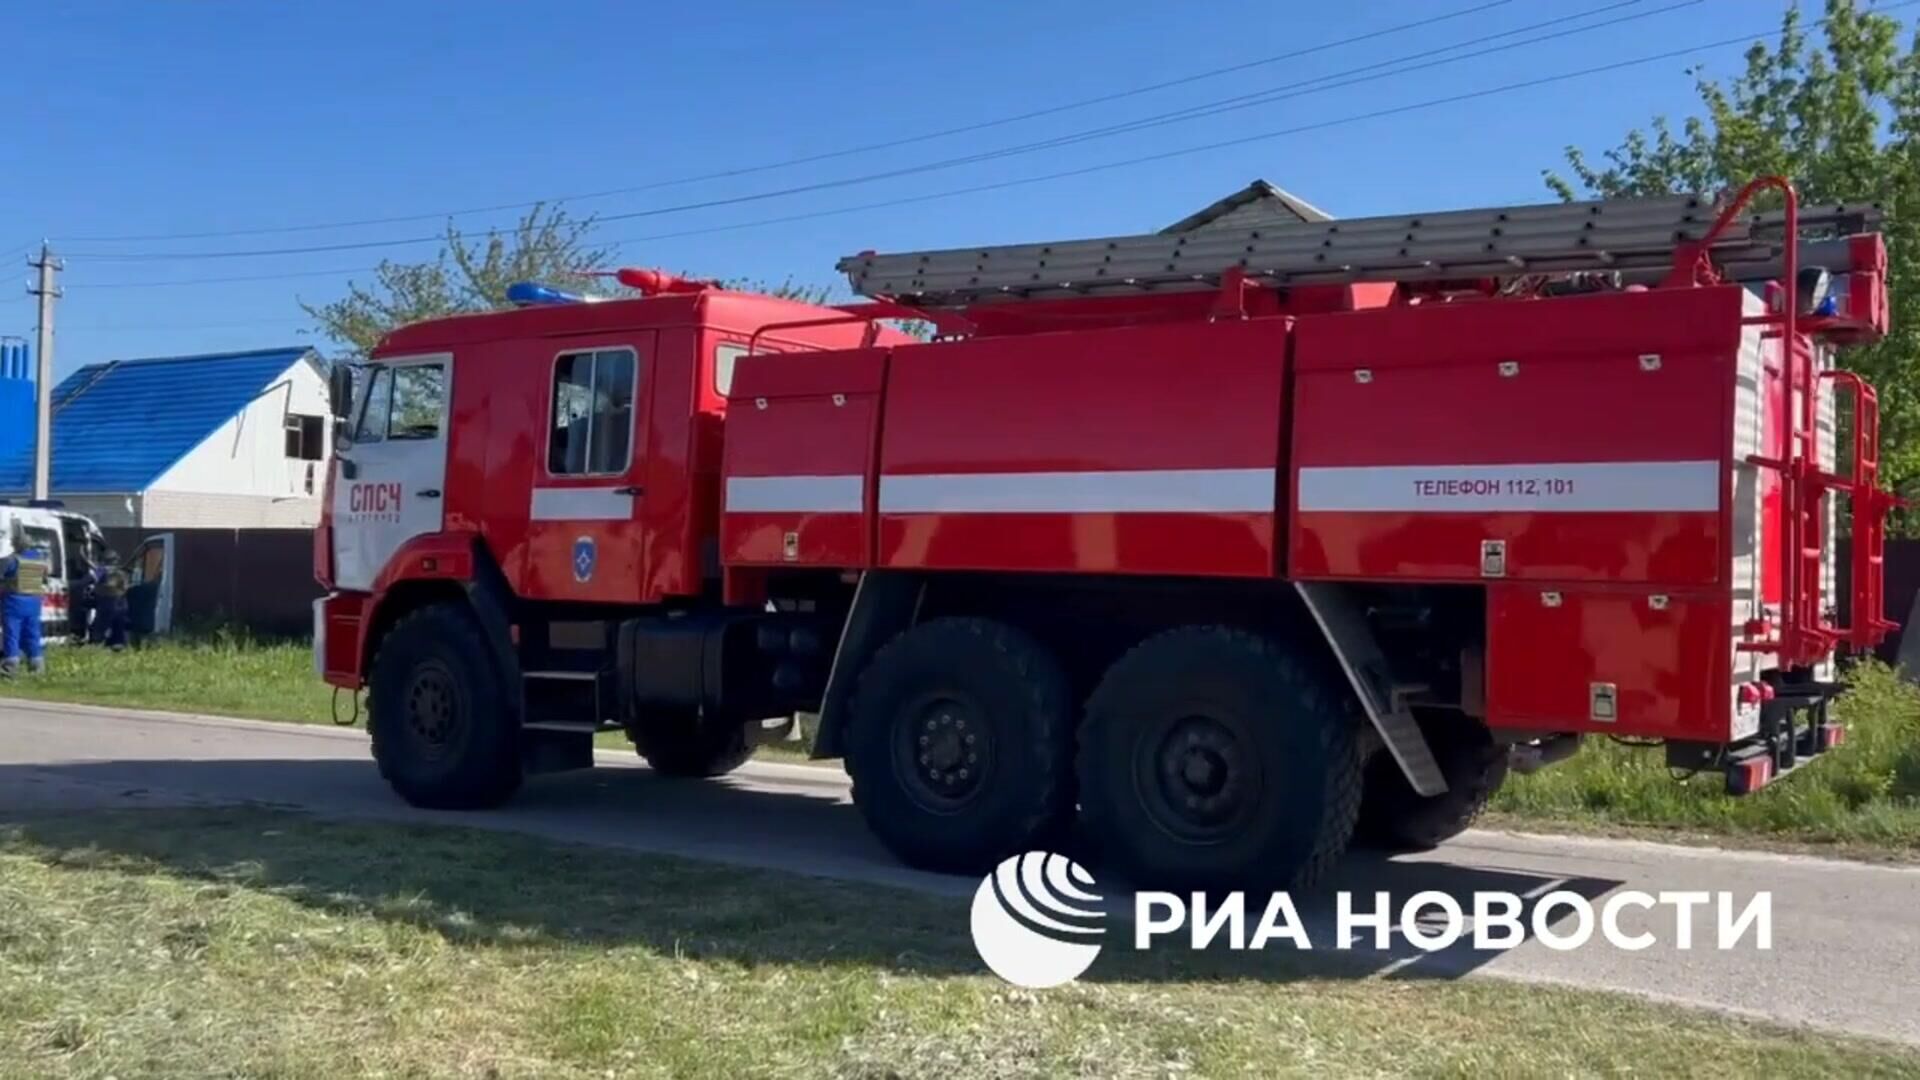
(1545, 473)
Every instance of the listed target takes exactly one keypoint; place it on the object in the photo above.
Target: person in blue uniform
(23, 583)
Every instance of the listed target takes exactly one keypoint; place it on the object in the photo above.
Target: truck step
(562, 700)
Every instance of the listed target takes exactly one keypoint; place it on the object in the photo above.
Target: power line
(151, 327)
(1230, 104)
(1742, 39)
(1308, 86)
(1002, 185)
(1473, 95)
(144, 284)
(982, 125)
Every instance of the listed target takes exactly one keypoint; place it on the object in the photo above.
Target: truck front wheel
(1212, 758)
(960, 745)
(443, 733)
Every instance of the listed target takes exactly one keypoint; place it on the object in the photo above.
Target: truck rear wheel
(443, 733)
(1395, 817)
(678, 742)
(960, 747)
(1210, 758)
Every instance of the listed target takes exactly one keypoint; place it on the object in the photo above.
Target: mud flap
(883, 605)
(1366, 666)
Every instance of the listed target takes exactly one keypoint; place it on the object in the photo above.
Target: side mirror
(340, 390)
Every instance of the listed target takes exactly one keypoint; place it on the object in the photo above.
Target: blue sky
(180, 118)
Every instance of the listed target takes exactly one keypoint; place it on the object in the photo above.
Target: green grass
(221, 673)
(249, 943)
(1865, 794)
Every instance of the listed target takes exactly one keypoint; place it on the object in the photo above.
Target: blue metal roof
(117, 426)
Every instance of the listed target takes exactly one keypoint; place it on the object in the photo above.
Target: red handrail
(1805, 637)
(1868, 504)
(1693, 264)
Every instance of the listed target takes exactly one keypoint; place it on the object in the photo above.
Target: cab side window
(591, 432)
(419, 400)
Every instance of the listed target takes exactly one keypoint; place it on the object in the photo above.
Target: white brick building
(231, 440)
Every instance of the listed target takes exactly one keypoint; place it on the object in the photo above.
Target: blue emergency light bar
(534, 294)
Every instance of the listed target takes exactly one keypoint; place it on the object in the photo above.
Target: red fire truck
(1218, 549)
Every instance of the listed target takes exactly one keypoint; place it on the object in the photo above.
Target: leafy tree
(1838, 111)
(467, 275)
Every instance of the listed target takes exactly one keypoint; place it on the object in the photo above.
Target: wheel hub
(944, 745)
(1204, 771)
(1202, 779)
(431, 707)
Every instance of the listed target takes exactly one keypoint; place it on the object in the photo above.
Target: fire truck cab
(1225, 551)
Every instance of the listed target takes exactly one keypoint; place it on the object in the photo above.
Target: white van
(75, 544)
(66, 545)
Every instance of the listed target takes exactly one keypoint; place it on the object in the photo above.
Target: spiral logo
(1026, 924)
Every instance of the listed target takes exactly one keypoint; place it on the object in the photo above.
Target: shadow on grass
(797, 881)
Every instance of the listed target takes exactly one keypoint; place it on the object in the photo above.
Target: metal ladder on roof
(1628, 235)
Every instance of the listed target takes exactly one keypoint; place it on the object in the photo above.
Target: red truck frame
(1216, 572)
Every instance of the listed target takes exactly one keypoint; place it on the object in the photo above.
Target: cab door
(393, 470)
(586, 539)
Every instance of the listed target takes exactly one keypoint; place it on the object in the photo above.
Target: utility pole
(48, 292)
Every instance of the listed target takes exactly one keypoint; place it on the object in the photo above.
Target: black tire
(443, 731)
(1394, 817)
(1213, 758)
(676, 742)
(960, 745)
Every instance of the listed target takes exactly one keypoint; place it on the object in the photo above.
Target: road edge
(828, 775)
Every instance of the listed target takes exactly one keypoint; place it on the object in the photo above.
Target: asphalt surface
(1846, 936)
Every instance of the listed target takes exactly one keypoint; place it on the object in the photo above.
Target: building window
(306, 437)
(592, 426)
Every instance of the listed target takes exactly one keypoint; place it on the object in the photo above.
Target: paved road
(1846, 948)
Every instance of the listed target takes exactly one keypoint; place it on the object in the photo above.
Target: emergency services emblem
(584, 556)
